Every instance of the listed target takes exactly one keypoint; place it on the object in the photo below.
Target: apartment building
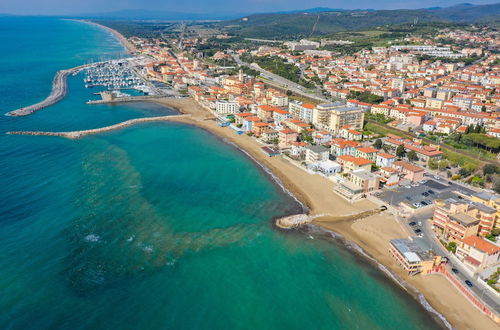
(451, 221)
(316, 154)
(352, 116)
(227, 108)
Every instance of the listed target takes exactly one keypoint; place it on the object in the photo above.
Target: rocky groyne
(59, 91)
(82, 133)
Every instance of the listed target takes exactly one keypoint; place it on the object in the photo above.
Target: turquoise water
(155, 226)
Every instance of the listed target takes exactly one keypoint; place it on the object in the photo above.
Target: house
(384, 160)
(429, 126)
(326, 167)
(259, 128)
(341, 147)
(350, 163)
(249, 122)
(280, 115)
(269, 136)
(322, 137)
(477, 253)
(411, 172)
(369, 153)
(286, 137)
(357, 184)
(316, 154)
(298, 150)
(238, 119)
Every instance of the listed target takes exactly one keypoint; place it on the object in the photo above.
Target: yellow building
(491, 200)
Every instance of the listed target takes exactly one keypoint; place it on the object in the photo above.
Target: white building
(227, 108)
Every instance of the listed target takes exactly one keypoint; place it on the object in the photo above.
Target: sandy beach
(372, 233)
(124, 41)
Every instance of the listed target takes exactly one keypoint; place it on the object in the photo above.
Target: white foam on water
(92, 238)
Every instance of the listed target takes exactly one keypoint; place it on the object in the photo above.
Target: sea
(155, 226)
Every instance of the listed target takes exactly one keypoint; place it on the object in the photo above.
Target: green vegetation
(493, 279)
(452, 247)
(400, 151)
(412, 155)
(304, 24)
(378, 144)
(366, 97)
(277, 66)
(379, 118)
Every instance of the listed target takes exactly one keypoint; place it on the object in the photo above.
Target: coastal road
(486, 296)
(280, 81)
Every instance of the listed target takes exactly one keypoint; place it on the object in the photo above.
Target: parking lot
(418, 195)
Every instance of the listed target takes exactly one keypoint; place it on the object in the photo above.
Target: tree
(483, 108)
(442, 164)
(490, 169)
(412, 155)
(378, 144)
(433, 164)
(289, 93)
(400, 151)
(452, 247)
(464, 172)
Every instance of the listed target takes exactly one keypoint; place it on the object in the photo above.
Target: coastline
(315, 192)
(124, 41)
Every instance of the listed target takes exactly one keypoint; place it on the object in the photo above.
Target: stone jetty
(59, 91)
(79, 134)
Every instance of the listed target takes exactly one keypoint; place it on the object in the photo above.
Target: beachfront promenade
(59, 90)
(79, 134)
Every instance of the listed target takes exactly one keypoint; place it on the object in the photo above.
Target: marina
(115, 75)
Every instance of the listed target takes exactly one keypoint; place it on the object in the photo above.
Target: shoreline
(315, 195)
(124, 41)
(315, 192)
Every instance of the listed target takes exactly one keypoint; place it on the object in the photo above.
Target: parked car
(418, 231)
(469, 283)
(455, 270)
(413, 223)
(430, 191)
(425, 194)
(424, 203)
(417, 205)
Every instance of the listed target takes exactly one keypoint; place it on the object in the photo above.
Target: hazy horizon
(85, 7)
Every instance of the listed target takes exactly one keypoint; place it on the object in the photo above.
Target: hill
(304, 23)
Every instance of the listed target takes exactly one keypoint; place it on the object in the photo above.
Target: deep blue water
(156, 226)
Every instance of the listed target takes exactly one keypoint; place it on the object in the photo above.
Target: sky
(60, 7)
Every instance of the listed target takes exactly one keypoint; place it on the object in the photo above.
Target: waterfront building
(223, 107)
(413, 257)
(316, 154)
(411, 172)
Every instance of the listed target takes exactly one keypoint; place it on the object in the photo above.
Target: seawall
(59, 91)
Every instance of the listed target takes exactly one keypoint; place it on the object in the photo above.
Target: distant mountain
(326, 21)
(141, 14)
(466, 12)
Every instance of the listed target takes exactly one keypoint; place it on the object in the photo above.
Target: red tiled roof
(481, 244)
